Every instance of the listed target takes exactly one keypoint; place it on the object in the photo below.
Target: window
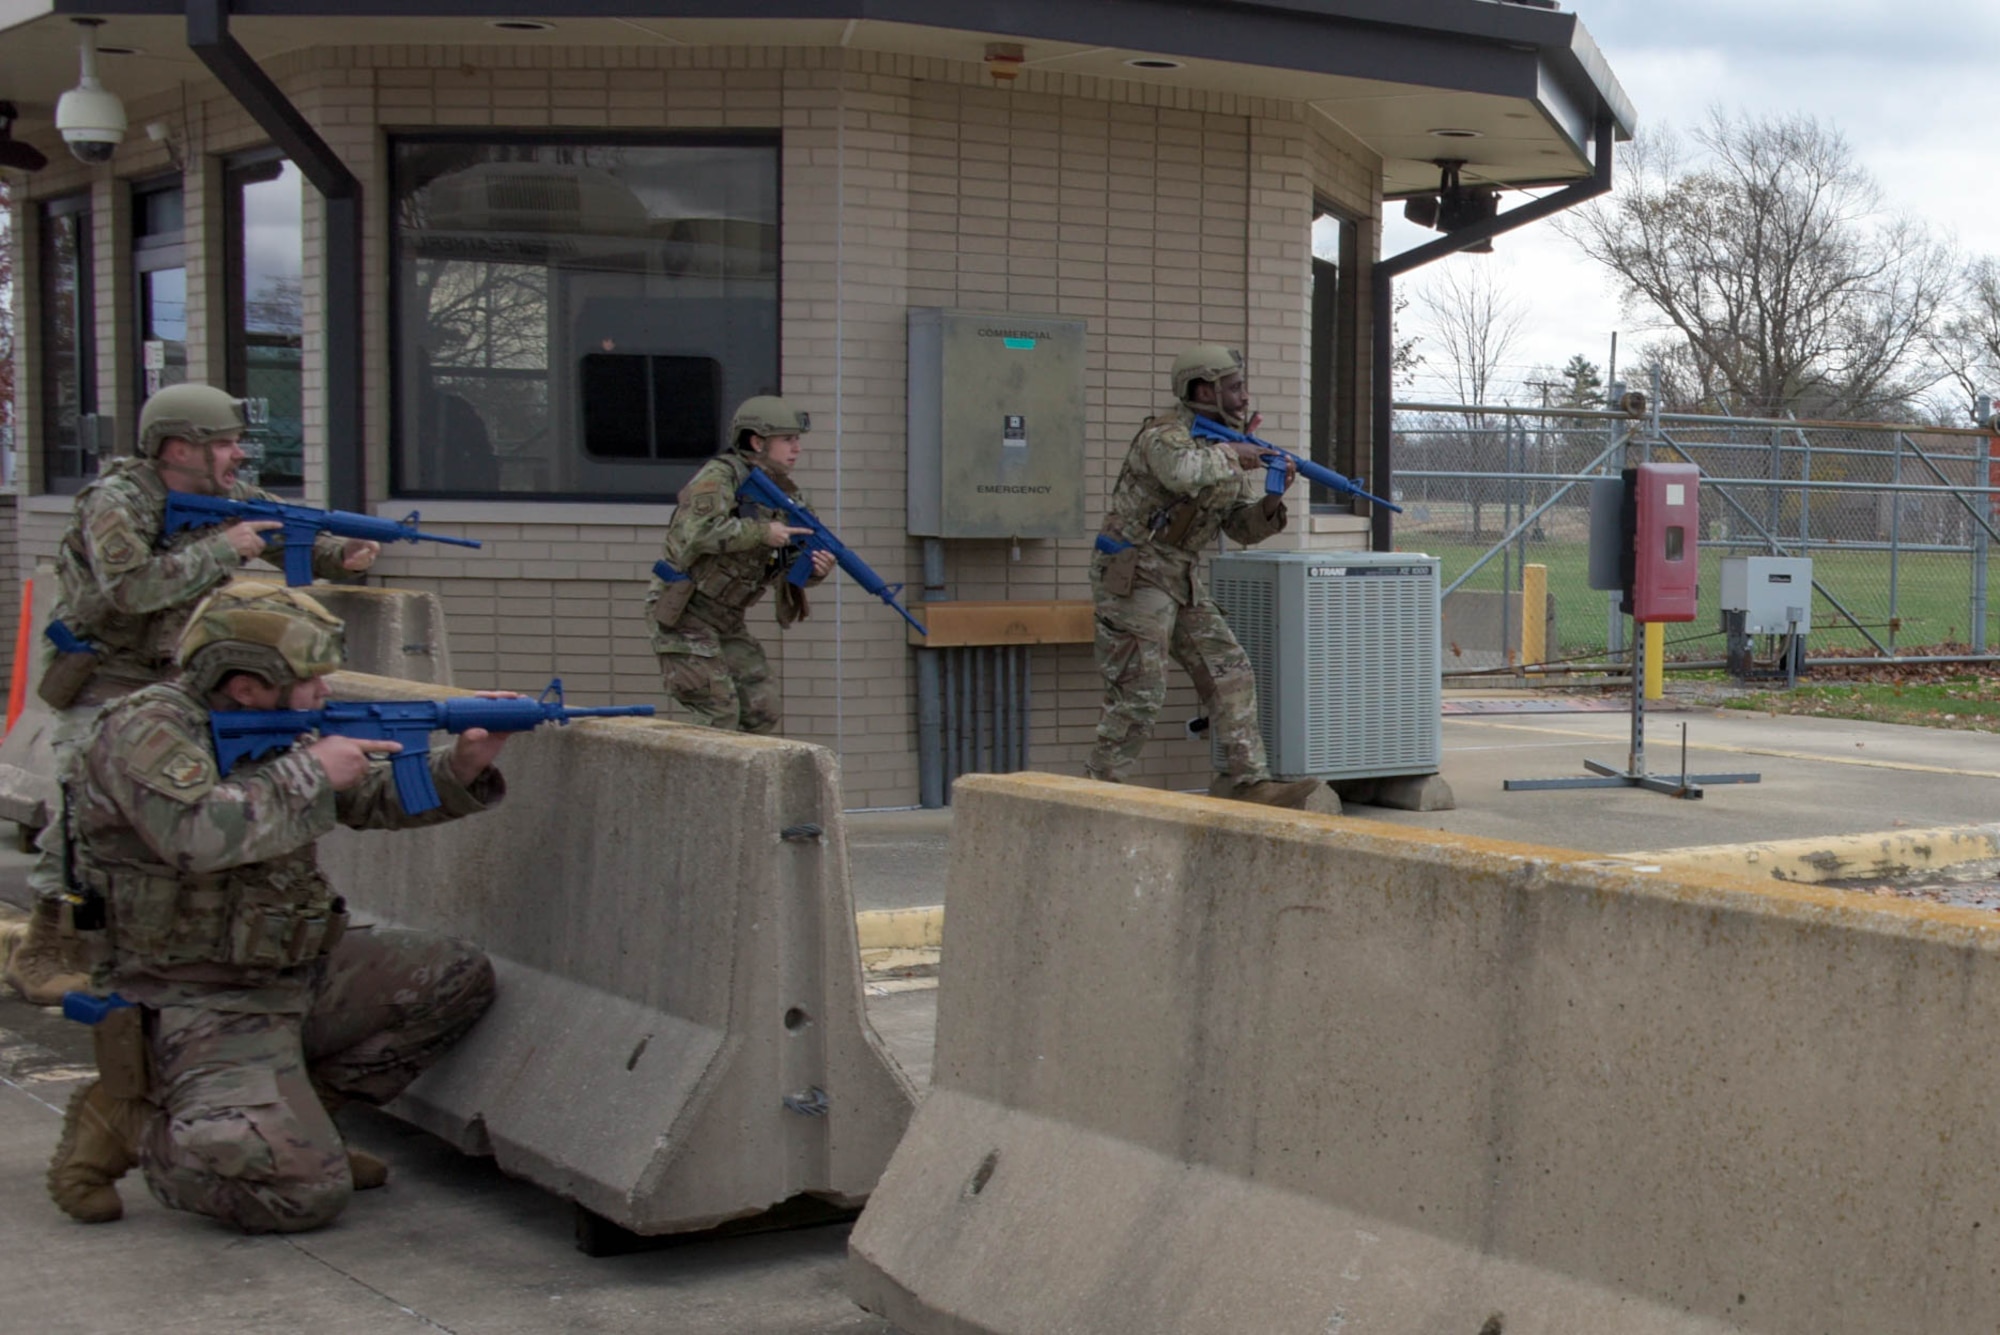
(69, 360)
(1331, 368)
(577, 315)
(263, 206)
(159, 266)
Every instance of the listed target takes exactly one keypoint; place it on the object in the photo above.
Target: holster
(122, 1065)
(1179, 519)
(792, 604)
(1121, 573)
(65, 677)
(673, 601)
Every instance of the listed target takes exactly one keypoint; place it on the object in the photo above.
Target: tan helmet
(190, 411)
(1204, 361)
(768, 415)
(272, 632)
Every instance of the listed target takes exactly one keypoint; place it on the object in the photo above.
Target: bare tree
(1773, 260)
(1473, 326)
(1968, 340)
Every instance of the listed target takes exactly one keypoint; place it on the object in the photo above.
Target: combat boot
(367, 1171)
(45, 964)
(1275, 792)
(99, 1145)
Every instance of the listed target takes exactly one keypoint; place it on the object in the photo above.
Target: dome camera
(90, 117)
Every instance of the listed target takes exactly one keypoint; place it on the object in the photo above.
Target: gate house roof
(1527, 81)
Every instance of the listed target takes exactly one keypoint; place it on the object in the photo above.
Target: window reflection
(265, 200)
(576, 317)
(69, 373)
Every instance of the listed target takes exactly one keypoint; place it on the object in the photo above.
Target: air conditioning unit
(1345, 650)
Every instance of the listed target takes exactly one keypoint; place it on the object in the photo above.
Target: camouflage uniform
(1173, 495)
(261, 1007)
(129, 592)
(709, 660)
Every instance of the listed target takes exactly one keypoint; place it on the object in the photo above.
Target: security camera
(90, 117)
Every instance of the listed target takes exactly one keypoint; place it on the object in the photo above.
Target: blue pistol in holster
(69, 670)
(1276, 459)
(248, 734)
(302, 524)
(118, 1034)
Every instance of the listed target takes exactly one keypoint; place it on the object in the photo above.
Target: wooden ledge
(954, 625)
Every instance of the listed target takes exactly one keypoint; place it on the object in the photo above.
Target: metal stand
(1634, 774)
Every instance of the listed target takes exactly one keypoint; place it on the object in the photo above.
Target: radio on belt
(1666, 506)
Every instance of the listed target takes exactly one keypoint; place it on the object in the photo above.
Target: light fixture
(120, 51)
(1004, 61)
(1153, 63)
(1453, 132)
(520, 25)
(1455, 206)
(90, 116)
(14, 153)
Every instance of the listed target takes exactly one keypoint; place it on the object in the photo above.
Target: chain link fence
(1897, 520)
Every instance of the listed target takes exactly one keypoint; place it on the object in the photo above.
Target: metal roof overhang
(1529, 83)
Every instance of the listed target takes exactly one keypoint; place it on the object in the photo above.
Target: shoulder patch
(165, 759)
(114, 542)
(704, 503)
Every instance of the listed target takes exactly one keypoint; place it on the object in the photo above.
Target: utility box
(1666, 567)
(996, 410)
(1345, 650)
(1774, 593)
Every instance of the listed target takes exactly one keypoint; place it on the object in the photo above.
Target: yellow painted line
(901, 929)
(1819, 858)
(1860, 761)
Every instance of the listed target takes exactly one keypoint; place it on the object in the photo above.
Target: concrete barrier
(679, 1038)
(1816, 859)
(1202, 1068)
(390, 633)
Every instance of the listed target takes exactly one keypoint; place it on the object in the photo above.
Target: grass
(1933, 603)
(1966, 702)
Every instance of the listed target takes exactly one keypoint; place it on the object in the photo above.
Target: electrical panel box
(1774, 593)
(996, 410)
(1666, 505)
(1345, 650)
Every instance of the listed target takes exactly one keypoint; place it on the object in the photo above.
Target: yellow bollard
(1656, 659)
(1534, 614)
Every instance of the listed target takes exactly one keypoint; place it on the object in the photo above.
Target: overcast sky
(1913, 86)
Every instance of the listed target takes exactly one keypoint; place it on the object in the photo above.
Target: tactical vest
(253, 920)
(1144, 512)
(135, 646)
(726, 583)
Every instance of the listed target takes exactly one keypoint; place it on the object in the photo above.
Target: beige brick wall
(1161, 217)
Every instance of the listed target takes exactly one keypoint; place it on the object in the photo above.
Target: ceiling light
(1004, 61)
(519, 25)
(1453, 132)
(1153, 63)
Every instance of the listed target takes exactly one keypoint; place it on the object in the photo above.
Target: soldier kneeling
(260, 1012)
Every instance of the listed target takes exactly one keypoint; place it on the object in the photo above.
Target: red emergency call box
(1666, 504)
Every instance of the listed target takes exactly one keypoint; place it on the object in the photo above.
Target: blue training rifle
(1275, 459)
(302, 523)
(246, 734)
(760, 488)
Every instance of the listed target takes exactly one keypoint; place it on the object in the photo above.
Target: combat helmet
(1204, 361)
(272, 632)
(190, 411)
(768, 415)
